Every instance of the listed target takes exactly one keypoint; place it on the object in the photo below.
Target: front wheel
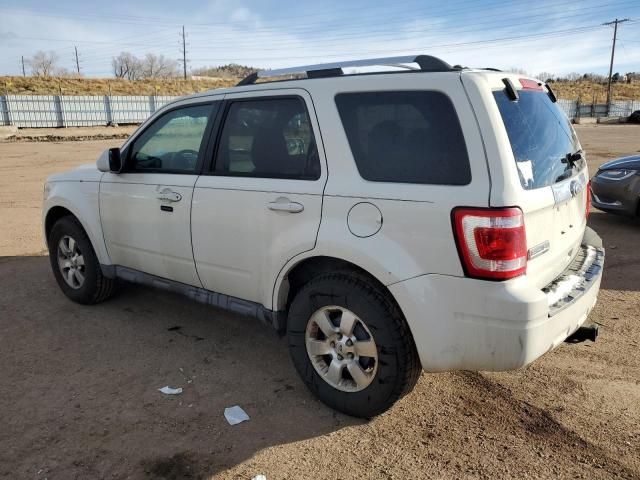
(75, 264)
(351, 345)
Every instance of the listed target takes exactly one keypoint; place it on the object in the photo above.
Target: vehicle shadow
(80, 399)
(84, 399)
(621, 238)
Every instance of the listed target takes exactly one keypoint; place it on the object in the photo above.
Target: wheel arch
(55, 210)
(54, 214)
(299, 273)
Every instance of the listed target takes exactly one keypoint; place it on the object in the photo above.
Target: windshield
(541, 138)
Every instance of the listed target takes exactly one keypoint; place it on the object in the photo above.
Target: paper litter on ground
(235, 415)
(170, 391)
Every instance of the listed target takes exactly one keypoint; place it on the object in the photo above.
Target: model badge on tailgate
(538, 250)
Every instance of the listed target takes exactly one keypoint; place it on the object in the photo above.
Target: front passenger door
(146, 209)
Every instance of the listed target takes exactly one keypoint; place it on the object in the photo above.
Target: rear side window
(269, 138)
(541, 137)
(405, 137)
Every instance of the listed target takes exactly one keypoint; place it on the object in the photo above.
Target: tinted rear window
(405, 137)
(540, 135)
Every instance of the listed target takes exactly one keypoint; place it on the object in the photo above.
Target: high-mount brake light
(492, 242)
(530, 84)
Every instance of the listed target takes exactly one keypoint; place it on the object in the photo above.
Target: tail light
(588, 205)
(491, 242)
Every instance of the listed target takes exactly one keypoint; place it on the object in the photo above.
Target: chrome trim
(597, 199)
(576, 280)
(538, 250)
(569, 188)
(275, 319)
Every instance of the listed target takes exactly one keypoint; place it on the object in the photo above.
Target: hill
(587, 91)
(108, 86)
(595, 92)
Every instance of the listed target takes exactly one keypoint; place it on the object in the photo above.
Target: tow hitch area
(586, 332)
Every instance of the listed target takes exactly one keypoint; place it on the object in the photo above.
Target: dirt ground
(79, 393)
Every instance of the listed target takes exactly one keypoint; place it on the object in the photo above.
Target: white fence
(76, 111)
(26, 111)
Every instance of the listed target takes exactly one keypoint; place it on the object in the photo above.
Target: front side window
(269, 138)
(172, 143)
(405, 137)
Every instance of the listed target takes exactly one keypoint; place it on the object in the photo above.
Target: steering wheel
(183, 156)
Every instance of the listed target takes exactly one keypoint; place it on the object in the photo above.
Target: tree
(519, 71)
(572, 77)
(126, 66)
(546, 76)
(158, 66)
(43, 64)
(232, 70)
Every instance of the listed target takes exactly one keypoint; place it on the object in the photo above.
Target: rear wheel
(351, 344)
(75, 264)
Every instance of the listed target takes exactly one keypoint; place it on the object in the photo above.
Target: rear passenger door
(259, 205)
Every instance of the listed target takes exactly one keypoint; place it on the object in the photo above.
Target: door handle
(169, 195)
(283, 204)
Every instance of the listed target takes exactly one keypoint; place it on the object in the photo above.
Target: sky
(551, 36)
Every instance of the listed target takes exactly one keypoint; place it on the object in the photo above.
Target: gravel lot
(79, 384)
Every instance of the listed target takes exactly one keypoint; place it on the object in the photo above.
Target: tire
(70, 248)
(349, 299)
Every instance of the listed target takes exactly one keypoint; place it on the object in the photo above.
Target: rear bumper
(468, 324)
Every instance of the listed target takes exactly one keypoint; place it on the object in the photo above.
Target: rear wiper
(572, 158)
(564, 176)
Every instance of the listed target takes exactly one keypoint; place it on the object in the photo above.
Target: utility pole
(613, 51)
(184, 54)
(77, 61)
(24, 73)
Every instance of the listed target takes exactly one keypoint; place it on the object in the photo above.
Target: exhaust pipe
(588, 332)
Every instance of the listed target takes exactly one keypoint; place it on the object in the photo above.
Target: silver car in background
(615, 188)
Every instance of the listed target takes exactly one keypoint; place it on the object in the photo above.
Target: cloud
(227, 31)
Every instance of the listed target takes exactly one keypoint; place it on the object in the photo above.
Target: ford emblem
(574, 188)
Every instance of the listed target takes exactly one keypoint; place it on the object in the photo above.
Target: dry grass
(594, 92)
(587, 91)
(107, 86)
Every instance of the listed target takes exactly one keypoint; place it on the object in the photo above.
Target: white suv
(429, 217)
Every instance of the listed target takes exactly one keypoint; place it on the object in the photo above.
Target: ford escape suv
(420, 217)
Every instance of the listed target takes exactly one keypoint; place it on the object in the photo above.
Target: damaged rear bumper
(468, 324)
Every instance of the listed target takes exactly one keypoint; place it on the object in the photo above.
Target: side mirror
(115, 160)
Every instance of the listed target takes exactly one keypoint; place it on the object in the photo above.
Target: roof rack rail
(426, 63)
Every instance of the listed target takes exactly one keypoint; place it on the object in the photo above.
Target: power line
(488, 43)
(363, 11)
(328, 40)
(613, 51)
(367, 16)
(342, 38)
(547, 34)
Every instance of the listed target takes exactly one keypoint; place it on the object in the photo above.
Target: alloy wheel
(341, 348)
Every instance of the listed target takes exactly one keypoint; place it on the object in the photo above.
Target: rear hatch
(541, 169)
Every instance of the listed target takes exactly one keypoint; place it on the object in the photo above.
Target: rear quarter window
(405, 137)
